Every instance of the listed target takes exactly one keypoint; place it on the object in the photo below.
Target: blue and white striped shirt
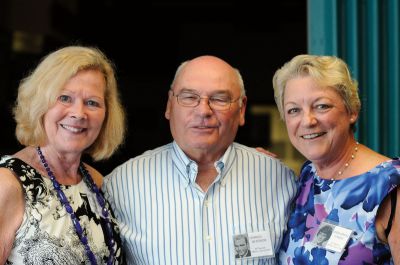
(165, 218)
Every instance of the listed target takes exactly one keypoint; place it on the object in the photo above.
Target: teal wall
(365, 33)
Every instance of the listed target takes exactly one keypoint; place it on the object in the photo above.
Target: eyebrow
(217, 92)
(314, 100)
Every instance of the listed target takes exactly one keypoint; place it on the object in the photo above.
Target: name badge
(253, 245)
(332, 237)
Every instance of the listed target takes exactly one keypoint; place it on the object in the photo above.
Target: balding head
(207, 64)
(201, 122)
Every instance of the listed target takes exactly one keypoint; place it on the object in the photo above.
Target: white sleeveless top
(47, 235)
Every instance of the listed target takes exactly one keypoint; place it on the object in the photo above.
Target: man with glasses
(184, 203)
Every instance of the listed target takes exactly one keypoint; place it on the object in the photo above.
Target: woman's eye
(323, 106)
(64, 99)
(93, 103)
(292, 110)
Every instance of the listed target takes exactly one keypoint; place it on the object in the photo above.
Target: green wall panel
(365, 33)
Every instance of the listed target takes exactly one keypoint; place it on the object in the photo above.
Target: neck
(65, 167)
(204, 156)
(341, 169)
(205, 160)
(205, 177)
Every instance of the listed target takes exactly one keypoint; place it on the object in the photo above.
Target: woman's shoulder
(95, 174)
(8, 179)
(22, 175)
(365, 151)
(369, 159)
(11, 193)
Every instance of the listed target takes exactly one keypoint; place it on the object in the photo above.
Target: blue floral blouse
(351, 203)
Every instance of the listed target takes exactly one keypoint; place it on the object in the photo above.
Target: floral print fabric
(350, 203)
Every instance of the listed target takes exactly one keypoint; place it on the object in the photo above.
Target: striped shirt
(165, 217)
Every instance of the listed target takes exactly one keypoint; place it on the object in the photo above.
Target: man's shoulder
(146, 155)
(260, 155)
(254, 152)
(245, 148)
(154, 152)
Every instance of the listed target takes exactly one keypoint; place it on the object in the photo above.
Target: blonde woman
(51, 209)
(344, 183)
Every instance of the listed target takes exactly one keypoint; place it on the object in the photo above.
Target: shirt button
(209, 238)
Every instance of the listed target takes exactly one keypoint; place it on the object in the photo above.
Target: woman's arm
(394, 235)
(12, 204)
(382, 223)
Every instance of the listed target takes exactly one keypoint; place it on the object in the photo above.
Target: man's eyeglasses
(218, 102)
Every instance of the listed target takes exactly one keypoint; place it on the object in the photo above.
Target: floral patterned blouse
(47, 235)
(350, 203)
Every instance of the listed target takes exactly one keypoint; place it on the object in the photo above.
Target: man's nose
(204, 105)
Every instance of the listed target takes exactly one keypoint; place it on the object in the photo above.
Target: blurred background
(147, 41)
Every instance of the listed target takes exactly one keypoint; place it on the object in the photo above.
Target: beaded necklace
(346, 165)
(78, 228)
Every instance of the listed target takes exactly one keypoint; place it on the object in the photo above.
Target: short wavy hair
(327, 71)
(39, 91)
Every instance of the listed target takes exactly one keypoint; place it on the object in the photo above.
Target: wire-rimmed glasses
(219, 102)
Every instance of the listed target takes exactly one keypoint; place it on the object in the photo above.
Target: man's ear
(168, 108)
(243, 111)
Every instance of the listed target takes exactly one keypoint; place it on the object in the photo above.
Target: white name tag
(332, 237)
(252, 245)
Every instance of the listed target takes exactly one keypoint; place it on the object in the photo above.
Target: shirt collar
(188, 168)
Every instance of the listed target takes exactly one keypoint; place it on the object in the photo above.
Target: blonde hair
(39, 91)
(328, 71)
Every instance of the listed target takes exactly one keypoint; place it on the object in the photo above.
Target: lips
(312, 135)
(204, 127)
(72, 128)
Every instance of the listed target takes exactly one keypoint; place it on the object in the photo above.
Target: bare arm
(394, 236)
(381, 224)
(11, 211)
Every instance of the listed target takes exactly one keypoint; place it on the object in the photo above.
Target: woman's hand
(262, 150)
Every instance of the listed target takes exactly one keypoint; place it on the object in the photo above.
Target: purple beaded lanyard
(78, 228)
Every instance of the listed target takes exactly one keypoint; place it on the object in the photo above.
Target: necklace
(346, 165)
(78, 228)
